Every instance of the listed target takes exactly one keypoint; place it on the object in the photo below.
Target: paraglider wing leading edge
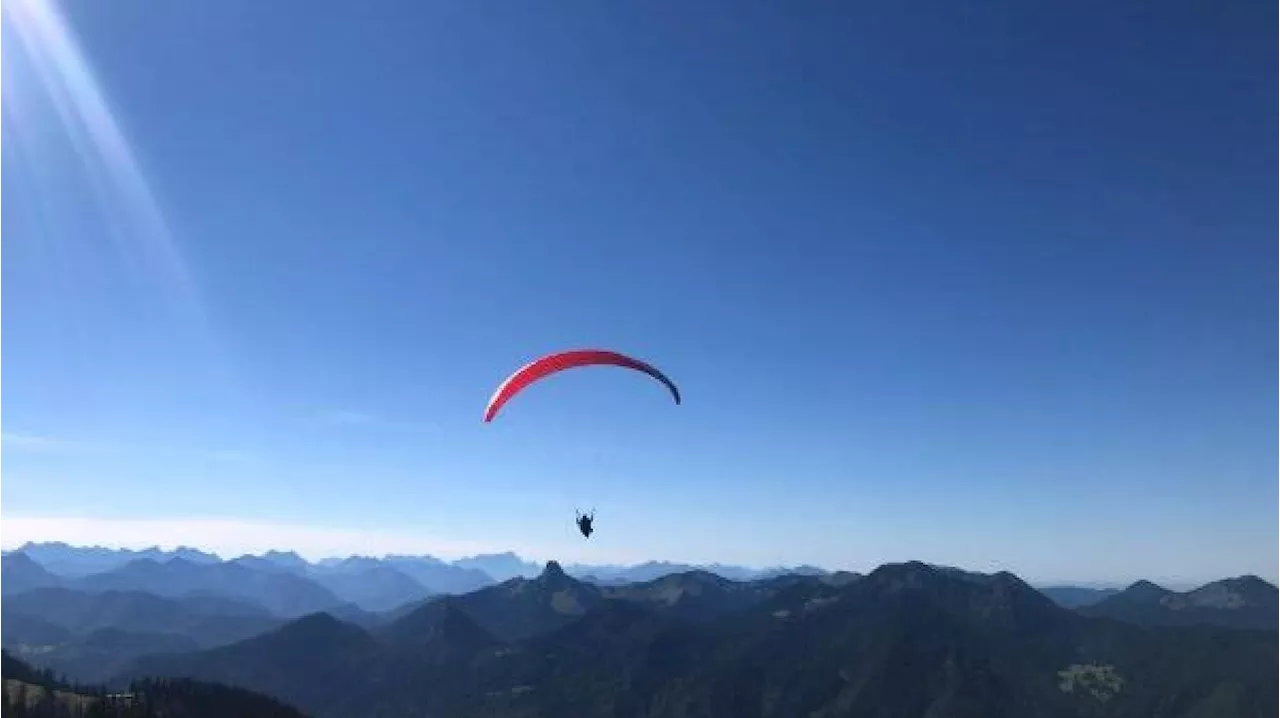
(553, 363)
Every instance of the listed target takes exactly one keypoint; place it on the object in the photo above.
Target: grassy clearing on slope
(34, 694)
(1101, 682)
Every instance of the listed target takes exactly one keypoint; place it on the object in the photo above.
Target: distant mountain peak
(291, 557)
(1229, 594)
(423, 558)
(192, 552)
(1242, 602)
(1077, 596)
(21, 572)
(1140, 592)
(553, 578)
(700, 576)
(438, 622)
(1145, 585)
(20, 557)
(1249, 582)
(311, 621)
(358, 563)
(47, 544)
(1000, 596)
(499, 566)
(910, 574)
(21, 562)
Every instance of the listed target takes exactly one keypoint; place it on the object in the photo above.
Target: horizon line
(541, 565)
(232, 556)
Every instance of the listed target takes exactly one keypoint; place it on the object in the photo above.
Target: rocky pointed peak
(552, 578)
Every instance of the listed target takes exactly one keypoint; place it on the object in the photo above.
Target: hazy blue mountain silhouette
(287, 560)
(26, 630)
(282, 593)
(371, 585)
(616, 575)
(19, 572)
(208, 620)
(1077, 596)
(438, 576)
(76, 561)
(500, 566)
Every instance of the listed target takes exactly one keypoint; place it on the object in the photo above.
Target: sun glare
(46, 60)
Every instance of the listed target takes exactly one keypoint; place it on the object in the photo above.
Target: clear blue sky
(988, 284)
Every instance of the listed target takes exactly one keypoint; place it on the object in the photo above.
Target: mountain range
(907, 639)
(345, 636)
(435, 575)
(90, 625)
(75, 561)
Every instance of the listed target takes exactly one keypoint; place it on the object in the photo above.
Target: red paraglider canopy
(552, 363)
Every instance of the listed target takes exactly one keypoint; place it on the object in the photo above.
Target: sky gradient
(986, 285)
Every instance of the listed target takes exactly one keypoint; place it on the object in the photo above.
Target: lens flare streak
(109, 163)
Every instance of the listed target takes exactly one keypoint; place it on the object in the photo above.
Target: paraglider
(541, 368)
(584, 522)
